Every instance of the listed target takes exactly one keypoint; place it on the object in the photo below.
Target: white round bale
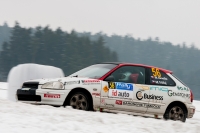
(24, 72)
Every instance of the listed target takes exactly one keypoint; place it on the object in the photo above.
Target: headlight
(53, 85)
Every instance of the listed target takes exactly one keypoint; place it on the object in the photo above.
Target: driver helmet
(125, 76)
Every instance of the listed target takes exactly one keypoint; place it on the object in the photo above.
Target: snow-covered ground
(16, 117)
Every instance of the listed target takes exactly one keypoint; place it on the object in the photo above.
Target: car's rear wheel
(79, 100)
(176, 113)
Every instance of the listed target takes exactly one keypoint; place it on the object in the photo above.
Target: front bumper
(42, 96)
(28, 94)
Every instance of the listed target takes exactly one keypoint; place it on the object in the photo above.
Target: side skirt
(157, 116)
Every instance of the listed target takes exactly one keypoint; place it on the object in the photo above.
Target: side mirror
(109, 78)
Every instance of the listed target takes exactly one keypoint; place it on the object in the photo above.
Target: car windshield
(94, 71)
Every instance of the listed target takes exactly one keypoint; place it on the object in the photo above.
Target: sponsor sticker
(145, 105)
(72, 82)
(123, 94)
(140, 96)
(52, 95)
(90, 81)
(159, 78)
(142, 87)
(105, 88)
(109, 105)
(94, 89)
(128, 103)
(119, 102)
(159, 88)
(124, 86)
(120, 86)
(96, 94)
(111, 85)
(171, 93)
(159, 82)
(104, 96)
(103, 101)
(182, 88)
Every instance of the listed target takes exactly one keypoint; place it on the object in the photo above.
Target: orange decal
(105, 88)
(143, 87)
(156, 72)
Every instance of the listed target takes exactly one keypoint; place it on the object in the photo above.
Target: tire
(79, 100)
(176, 113)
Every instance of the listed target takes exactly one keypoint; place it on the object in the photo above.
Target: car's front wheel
(176, 113)
(79, 100)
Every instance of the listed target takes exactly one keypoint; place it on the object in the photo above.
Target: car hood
(63, 79)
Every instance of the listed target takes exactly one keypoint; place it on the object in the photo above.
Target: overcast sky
(176, 21)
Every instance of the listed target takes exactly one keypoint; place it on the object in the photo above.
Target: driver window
(129, 74)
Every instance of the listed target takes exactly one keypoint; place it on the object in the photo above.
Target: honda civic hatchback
(115, 87)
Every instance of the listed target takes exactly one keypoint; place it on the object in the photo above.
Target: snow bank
(19, 117)
(24, 72)
(3, 90)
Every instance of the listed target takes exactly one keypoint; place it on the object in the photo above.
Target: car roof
(133, 64)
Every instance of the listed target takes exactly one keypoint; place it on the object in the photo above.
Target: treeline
(5, 33)
(72, 51)
(57, 48)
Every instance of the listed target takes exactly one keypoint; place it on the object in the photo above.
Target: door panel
(124, 99)
(120, 93)
(114, 93)
(160, 83)
(158, 96)
(140, 103)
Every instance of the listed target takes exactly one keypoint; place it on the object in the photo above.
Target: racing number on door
(156, 72)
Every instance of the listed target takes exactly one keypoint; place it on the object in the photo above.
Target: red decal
(102, 101)
(119, 102)
(114, 93)
(52, 95)
(91, 81)
(96, 94)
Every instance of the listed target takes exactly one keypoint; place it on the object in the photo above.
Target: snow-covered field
(16, 117)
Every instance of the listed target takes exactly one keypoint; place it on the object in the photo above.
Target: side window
(158, 77)
(128, 74)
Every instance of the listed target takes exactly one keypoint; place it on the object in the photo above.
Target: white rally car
(115, 87)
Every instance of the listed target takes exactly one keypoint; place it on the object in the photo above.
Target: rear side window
(158, 77)
(179, 80)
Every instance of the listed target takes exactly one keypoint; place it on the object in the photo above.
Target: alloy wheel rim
(79, 101)
(176, 113)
